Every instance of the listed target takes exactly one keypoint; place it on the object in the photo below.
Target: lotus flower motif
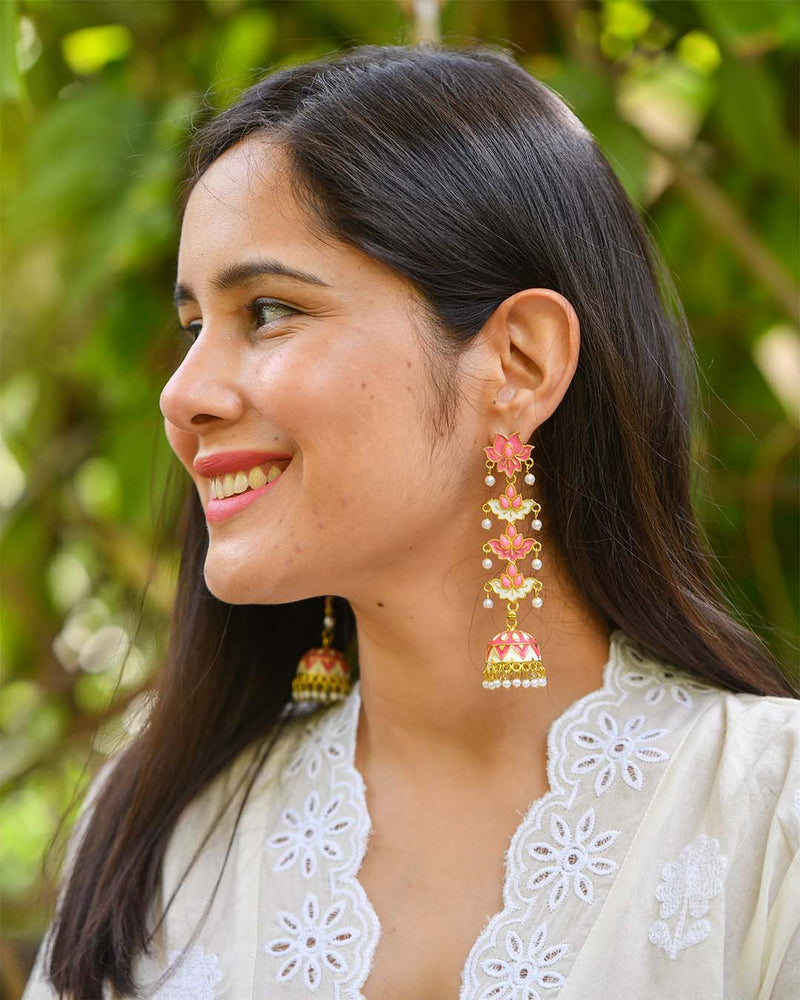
(512, 585)
(509, 453)
(512, 544)
(510, 506)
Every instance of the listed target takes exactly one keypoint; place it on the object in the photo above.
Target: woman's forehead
(248, 183)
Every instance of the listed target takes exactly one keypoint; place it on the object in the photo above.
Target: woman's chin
(231, 586)
(234, 585)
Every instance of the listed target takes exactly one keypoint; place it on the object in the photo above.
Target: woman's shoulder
(770, 717)
(762, 744)
(748, 741)
(762, 731)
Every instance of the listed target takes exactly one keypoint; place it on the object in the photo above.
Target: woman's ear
(535, 339)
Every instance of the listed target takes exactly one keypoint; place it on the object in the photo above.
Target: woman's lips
(219, 510)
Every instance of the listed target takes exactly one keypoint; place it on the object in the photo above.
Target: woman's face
(332, 375)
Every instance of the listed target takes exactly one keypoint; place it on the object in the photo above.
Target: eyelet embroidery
(611, 749)
(196, 979)
(572, 861)
(688, 884)
(523, 969)
(318, 744)
(326, 954)
(314, 832)
(663, 680)
(313, 940)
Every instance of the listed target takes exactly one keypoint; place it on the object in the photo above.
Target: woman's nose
(203, 387)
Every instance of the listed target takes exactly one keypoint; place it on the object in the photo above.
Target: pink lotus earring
(323, 673)
(512, 657)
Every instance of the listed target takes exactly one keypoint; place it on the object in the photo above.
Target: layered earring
(513, 658)
(323, 673)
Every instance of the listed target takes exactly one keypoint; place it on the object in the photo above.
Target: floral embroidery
(317, 744)
(572, 861)
(688, 884)
(315, 831)
(195, 979)
(313, 941)
(609, 749)
(662, 679)
(324, 831)
(522, 970)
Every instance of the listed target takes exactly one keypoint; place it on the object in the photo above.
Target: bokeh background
(695, 103)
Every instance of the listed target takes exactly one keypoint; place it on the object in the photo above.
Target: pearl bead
(526, 683)
(486, 523)
(485, 684)
(488, 603)
(536, 524)
(490, 480)
(506, 683)
(530, 479)
(537, 564)
(537, 602)
(487, 563)
(516, 682)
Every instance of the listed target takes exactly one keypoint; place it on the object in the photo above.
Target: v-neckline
(352, 705)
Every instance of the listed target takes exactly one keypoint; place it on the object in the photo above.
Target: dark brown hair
(473, 180)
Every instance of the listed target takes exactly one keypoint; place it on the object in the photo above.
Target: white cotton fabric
(663, 862)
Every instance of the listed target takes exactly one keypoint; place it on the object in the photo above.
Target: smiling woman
(400, 266)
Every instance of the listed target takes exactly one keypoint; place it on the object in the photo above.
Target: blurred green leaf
(97, 488)
(246, 45)
(87, 50)
(745, 26)
(18, 700)
(626, 18)
(749, 119)
(11, 85)
(699, 51)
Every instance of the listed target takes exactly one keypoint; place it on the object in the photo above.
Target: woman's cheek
(182, 443)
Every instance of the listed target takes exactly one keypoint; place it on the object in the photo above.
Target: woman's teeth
(237, 482)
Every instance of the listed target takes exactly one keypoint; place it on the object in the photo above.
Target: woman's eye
(259, 309)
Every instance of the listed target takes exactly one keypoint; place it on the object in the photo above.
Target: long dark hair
(473, 180)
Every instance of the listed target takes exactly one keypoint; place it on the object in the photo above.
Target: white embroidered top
(663, 862)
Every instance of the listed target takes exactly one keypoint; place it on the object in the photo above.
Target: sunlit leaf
(87, 50)
(625, 19)
(699, 50)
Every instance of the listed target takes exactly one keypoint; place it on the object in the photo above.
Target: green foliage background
(694, 102)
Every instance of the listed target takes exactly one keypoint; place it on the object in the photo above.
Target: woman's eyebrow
(235, 275)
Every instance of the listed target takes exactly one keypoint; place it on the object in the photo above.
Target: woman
(544, 759)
